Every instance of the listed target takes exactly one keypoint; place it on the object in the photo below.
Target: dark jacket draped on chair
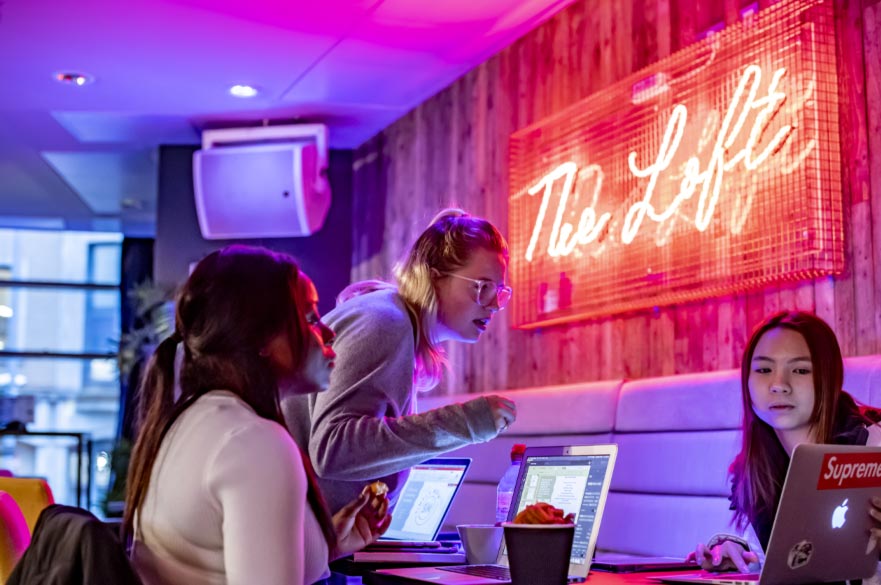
(70, 546)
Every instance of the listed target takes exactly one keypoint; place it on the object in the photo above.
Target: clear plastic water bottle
(505, 491)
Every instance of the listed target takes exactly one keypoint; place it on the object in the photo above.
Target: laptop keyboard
(496, 572)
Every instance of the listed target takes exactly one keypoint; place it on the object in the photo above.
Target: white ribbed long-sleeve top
(226, 503)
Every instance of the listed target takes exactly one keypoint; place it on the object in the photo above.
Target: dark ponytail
(155, 402)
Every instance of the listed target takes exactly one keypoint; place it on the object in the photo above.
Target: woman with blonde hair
(365, 427)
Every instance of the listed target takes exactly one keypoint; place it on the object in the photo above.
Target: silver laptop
(424, 501)
(821, 531)
(575, 479)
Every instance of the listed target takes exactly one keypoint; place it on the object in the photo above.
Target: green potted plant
(154, 322)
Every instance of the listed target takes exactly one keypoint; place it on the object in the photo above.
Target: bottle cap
(517, 452)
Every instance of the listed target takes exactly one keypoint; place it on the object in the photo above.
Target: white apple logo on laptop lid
(838, 518)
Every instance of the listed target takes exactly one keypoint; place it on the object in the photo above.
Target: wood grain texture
(452, 150)
(872, 60)
(850, 295)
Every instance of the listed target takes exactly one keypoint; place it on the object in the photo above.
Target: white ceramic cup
(481, 542)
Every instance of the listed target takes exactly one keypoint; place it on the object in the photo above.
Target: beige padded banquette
(676, 436)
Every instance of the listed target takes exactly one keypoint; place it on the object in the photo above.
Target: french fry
(543, 513)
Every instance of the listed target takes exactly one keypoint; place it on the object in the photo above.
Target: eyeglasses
(488, 291)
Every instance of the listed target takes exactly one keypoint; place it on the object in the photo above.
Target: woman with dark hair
(791, 379)
(217, 490)
(388, 344)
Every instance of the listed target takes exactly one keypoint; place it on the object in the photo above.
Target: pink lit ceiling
(84, 157)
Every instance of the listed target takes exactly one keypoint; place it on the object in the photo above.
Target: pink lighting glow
(713, 171)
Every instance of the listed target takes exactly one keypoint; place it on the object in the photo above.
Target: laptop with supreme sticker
(573, 478)
(821, 530)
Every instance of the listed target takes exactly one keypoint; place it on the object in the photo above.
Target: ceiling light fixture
(243, 91)
(73, 78)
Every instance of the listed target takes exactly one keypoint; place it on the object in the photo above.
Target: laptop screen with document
(425, 498)
(575, 480)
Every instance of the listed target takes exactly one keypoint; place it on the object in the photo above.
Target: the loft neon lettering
(564, 238)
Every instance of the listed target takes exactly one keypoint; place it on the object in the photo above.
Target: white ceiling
(84, 157)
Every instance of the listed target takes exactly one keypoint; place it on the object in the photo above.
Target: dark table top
(594, 578)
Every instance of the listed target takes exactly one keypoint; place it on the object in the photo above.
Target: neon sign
(715, 170)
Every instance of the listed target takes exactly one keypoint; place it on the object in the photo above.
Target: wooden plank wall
(452, 149)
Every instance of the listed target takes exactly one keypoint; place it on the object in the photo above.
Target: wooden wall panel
(452, 150)
(872, 60)
(852, 111)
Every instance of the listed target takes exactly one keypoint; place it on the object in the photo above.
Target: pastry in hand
(543, 513)
(378, 497)
(378, 488)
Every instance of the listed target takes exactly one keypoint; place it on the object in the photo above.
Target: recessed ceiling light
(73, 78)
(243, 91)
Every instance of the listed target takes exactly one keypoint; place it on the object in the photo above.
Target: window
(59, 335)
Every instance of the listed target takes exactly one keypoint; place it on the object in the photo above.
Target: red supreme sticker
(850, 470)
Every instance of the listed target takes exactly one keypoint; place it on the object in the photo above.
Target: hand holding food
(378, 488)
(363, 520)
(543, 513)
(378, 503)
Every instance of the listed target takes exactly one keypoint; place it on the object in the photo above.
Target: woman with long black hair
(791, 381)
(218, 492)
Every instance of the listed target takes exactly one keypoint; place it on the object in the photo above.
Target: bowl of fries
(539, 545)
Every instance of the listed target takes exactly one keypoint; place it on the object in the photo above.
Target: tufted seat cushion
(689, 402)
(676, 437)
(559, 410)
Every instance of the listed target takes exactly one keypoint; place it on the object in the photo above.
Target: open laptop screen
(426, 497)
(573, 483)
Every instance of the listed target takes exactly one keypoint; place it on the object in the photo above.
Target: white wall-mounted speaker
(267, 182)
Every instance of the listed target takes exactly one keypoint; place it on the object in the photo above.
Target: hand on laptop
(727, 556)
(875, 531)
(361, 521)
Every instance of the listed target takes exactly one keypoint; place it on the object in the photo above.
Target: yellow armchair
(14, 535)
(31, 494)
